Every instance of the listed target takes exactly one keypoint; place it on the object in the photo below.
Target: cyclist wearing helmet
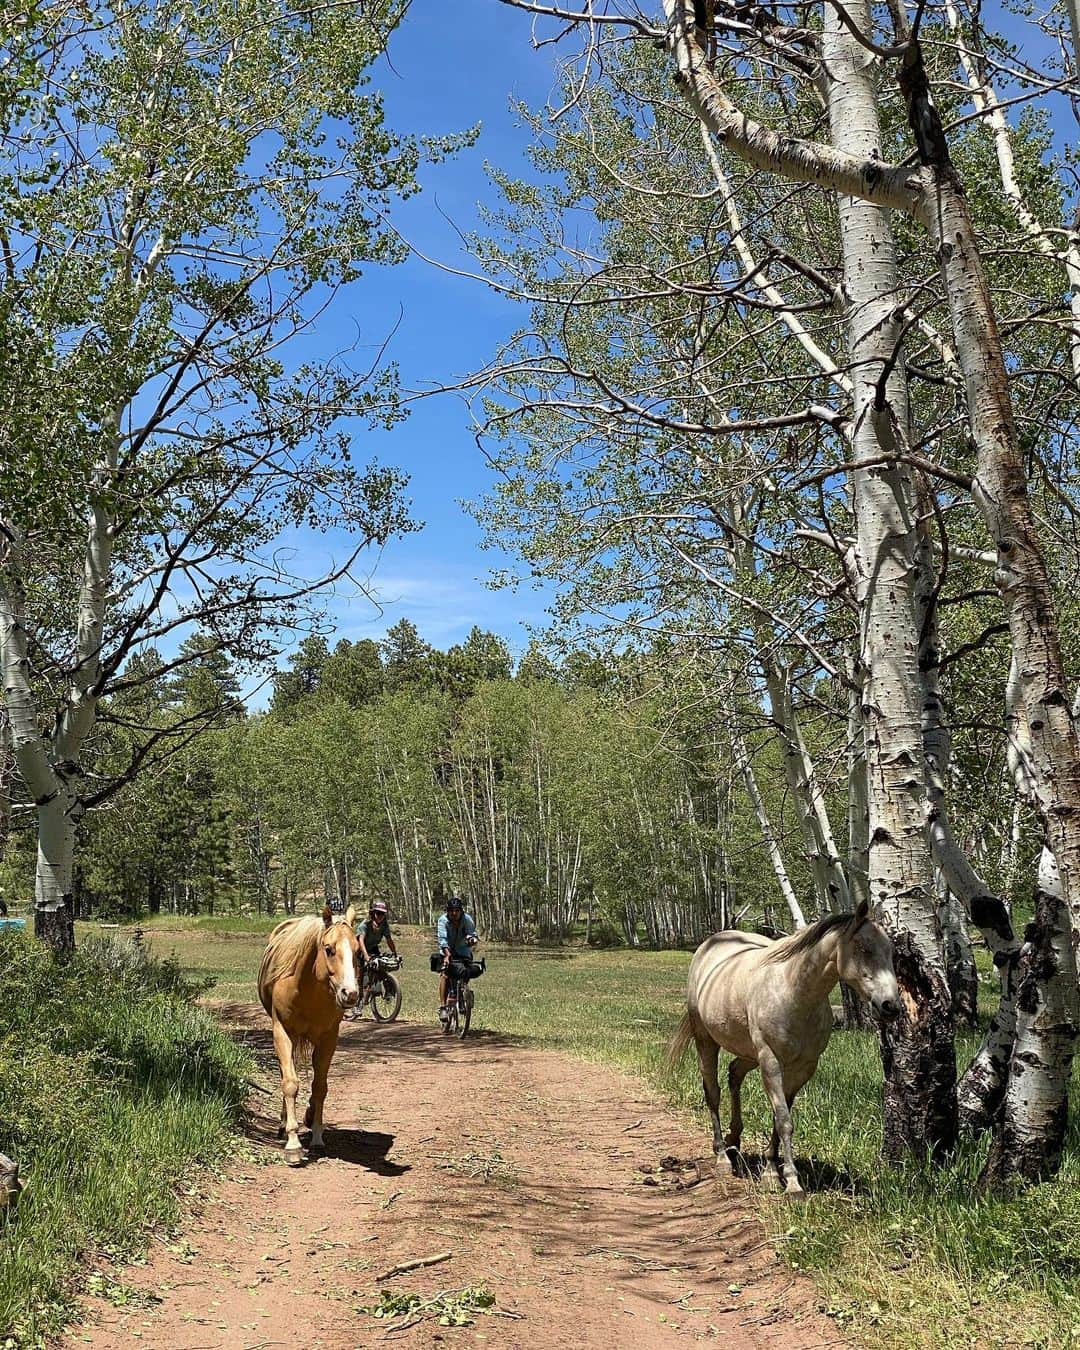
(457, 937)
(375, 929)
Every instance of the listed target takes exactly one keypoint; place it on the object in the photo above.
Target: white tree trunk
(48, 784)
(772, 848)
(920, 1070)
(1031, 1134)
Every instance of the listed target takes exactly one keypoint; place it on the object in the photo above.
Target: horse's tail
(684, 1034)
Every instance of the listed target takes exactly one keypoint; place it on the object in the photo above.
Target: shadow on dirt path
(566, 1189)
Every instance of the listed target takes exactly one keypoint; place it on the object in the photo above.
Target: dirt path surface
(589, 1212)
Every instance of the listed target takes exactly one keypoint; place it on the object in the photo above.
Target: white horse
(767, 1003)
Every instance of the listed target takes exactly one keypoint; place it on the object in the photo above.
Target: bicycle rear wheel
(386, 999)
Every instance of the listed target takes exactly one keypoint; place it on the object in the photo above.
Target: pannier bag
(474, 968)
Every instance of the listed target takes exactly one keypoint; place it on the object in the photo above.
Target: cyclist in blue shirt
(456, 937)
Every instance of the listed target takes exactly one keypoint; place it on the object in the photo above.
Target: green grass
(906, 1258)
(113, 1088)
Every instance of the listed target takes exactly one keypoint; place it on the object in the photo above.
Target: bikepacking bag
(435, 962)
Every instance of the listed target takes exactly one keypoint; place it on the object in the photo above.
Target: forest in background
(581, 797)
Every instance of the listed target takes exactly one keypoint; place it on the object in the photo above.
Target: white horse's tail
(684, 1034)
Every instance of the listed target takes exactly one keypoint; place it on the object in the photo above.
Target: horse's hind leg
(737, 1071)
(709, 1059)
(290, 1085)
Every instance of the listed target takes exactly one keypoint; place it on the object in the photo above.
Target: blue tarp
(12, 923)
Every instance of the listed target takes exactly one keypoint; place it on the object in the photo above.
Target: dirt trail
(533, 1167)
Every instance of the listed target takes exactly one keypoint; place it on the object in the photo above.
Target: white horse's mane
(795, 943)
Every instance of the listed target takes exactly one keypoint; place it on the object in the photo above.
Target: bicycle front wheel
(466, 1014)
(386, 999)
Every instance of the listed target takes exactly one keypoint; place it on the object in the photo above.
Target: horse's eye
(329, 951)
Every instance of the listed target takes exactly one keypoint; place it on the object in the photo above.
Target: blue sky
(450, 66)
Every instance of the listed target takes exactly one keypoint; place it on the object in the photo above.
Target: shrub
(112, 1085)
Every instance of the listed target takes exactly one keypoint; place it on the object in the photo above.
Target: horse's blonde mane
(786, 947)
(287, 947)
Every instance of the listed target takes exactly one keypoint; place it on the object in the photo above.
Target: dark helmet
(454, 902)
(379, 907)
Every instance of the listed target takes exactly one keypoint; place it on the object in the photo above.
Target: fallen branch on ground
(415, 1264)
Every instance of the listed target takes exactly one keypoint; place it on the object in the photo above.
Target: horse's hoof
(314, 1147)
(294, 1157)
(770, 1181)
(794, 1193)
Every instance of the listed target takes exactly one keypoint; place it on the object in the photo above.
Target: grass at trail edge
(112, 1086)
(904, 1258)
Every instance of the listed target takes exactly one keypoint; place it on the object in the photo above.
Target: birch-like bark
(858, 800)
(1052, 748)
(49, 783)
(918, 1054)
(959, 959)
(1030, 1137)
(1001, 494)
(982, 1086)
(859, 173)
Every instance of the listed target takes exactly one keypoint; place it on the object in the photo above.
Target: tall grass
(908, 1257)
(112, 1087)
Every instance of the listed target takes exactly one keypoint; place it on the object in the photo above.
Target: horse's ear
(350, 916)
(861, 914)
(327, 917)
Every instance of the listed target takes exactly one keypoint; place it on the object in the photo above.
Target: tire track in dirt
(540, 1172)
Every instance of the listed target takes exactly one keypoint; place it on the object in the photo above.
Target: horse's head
(336, 961)
(864, 959)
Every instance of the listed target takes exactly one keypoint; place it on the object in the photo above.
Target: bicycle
(459, 1004)
(381, 992)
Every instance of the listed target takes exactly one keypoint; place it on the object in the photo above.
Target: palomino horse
(306, 981)
(767, 1003)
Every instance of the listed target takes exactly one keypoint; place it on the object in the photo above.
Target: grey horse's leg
(737, 1071)
(773, 1077)
(709, 1059)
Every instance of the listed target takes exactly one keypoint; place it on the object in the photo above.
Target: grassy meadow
(114, 1090)
(902, 1258)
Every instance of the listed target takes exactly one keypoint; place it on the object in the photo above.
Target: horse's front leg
(290, 1085)
(773, 1077)
(322, 1055)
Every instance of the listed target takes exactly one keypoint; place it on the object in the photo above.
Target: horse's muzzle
(888, 1009)
(345, 999)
